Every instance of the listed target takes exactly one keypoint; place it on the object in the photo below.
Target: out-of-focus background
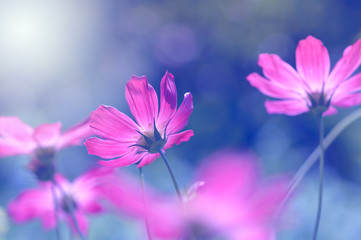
(59, 60)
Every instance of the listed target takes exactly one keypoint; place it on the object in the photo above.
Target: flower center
(45, 154)
(152, 142)
(319, 102)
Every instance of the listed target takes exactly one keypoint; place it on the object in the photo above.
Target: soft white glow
(40, 36)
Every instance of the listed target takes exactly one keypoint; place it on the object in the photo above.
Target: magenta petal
(147, 159)
(351, 85)
(275, 69)
(13, 127)
(75, 135)
(348, 100)
(31, 204)
(108, 123)
(48, 134)
(123, 161)
(10, 147)
(168, 100)
(349, 62)
(178, 138)
(288, 107)
(107, 148)
(142, 101)
(271, 89)
(180, 119)
(313, 62)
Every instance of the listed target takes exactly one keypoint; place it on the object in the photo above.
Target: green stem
(145, 203)
(320, 190)
(334, 133)
(172, 175)
(71, 209)
(56, 212)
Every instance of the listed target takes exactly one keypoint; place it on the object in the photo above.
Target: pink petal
(14, 128)
(180, 119)
(178, 138)
(330, 111)
(108, 123)
(142, 101)
(313, 62)
(351, 85)
(11, 147)
(107, 148)
(349, 62)
(75, 135)
(147, 159)
(123, 161)
(275, 69)
(48, 134)
(347, 100)
(31, 204)
(168, 100)
(270, 88)
(288, 107)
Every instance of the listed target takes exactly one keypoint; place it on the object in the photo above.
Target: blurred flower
(85, 194)
(42, 142)
(229, 199)
(129, 142)
(312, 87)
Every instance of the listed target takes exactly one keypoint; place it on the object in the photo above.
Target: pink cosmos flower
(312, 87)
(18, 138)
(229, 199)
(85, 193)
(126, 142)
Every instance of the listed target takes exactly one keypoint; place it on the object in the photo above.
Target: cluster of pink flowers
(228, 198)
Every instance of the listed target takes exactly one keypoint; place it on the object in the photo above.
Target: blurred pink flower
(42, 142)
(312, 87)
(229, 199)
(126, 142)
(85, 193)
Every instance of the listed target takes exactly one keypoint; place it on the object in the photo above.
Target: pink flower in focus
(85, 193)
(44, 141)
(126, 142)
(312, 87)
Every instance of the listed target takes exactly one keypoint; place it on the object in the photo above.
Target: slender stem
(334, 133)
(145, 203)
(56, 212)
(320, 190)
(172, 175)
(71, 209)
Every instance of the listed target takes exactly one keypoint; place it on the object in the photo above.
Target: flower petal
(271, 88)
(75, 135)
(13, 127)
(11, 147)
(275, 69)
(123, 161)
(351, 85)
(47, 134)
(349, 62)
(168, 100)
(142, 101)
(147, 159)
(313, 62)
(31, 204)
(348, 100)
(178, 138)
(180, 119)
(107, 148)
(288, 107)
(108, 123)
